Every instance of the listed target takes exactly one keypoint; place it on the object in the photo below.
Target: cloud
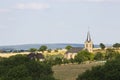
(32, 6)
(86, 0)
(4, 10)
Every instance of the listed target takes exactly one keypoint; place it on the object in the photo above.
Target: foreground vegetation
(109, 71)
(20, 67)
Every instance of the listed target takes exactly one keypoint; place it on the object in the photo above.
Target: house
(36, 56)
(72, 52)
(32, 55)
(40, 57)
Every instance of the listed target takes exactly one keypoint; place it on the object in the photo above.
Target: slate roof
(36, 55)
(88, 37)
(74, 50)
(39, 56)
(31, 55)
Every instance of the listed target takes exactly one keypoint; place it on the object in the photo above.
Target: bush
(99, 56)
(58, 61)
(65, 61)
(111, 54)
(83, 56)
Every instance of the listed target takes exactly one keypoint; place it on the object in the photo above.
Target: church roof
(34, 55)
(74, 50)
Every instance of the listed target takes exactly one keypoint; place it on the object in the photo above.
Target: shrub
(99, 56)
(83, 56)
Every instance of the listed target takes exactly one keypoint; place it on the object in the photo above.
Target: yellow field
(11, 54)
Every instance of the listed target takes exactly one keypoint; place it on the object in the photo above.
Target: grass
(71, 71)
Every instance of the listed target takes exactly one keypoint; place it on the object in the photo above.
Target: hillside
(50, 46)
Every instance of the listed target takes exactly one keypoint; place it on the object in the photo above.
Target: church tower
(89, 43)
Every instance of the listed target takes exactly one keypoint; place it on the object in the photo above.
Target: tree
(109, 71)
(68, 47)
(20, 67)
(32, 49)
(58, 61)
(99, 56)
(116, 45)
(102, 46)
(65, 61)
(83, 56)
(49, 50)
(72, 60)
(43, 48)
(111, 54)
(56, 50)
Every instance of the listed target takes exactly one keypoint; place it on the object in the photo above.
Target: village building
(88, 45)
(72, 52)
(36, 56)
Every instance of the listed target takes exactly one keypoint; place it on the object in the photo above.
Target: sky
(59, 21)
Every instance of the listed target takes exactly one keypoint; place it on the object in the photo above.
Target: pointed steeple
(89, 43)
(88, 37)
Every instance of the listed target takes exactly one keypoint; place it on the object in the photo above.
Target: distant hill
(50, 46)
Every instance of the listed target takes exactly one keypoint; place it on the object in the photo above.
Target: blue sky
(59, 21)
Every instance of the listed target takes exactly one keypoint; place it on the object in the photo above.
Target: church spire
(89, 43)
(88, 37)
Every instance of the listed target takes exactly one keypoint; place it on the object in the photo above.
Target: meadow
(71, 71)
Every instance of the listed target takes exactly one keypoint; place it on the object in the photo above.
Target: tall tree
(102, 46)
(43, 48)
(68, 47)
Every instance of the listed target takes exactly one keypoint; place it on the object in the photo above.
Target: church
(88, 45)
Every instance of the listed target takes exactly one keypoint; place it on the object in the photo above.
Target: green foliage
(99, 56)
(58, 61)
(102, 46)
(54, 59)
(65, 61)
(20, 67)
(83, 56)
(68, 47)
(49, 50)
(116, 45)
(72, 60)
(56, 50)
(111, 54)
(43, 48)
(32, 49)
(109, 71)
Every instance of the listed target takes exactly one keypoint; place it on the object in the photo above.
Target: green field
(71, 71)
